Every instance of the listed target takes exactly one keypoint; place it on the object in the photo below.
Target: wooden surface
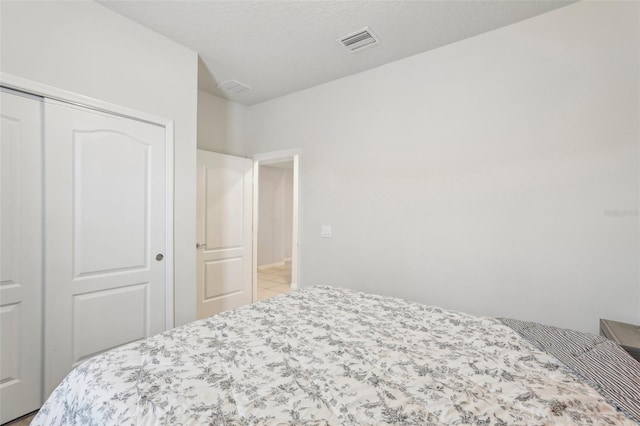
(22, 421)
(626, 335)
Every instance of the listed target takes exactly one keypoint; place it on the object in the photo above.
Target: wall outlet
(325, 231)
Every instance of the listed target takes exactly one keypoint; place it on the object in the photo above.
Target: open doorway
(276, 205)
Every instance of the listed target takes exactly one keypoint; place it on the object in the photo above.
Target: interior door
(21, 255)
(105, 230)
(224, 229)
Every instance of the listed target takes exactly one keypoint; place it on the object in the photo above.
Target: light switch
(325, 231)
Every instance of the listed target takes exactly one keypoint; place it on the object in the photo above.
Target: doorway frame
(20, 84)
(264, 159)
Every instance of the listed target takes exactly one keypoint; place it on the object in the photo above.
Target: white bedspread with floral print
(325, 355)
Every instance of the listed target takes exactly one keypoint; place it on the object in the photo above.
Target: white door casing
(105, 222)
(21, 255)
(224, 233)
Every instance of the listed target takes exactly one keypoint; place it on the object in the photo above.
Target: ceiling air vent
(359, 40)
(233, 86)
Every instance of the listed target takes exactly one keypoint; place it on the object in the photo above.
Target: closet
(83, 209)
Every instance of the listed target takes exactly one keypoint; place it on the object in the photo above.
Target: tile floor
(274, 281)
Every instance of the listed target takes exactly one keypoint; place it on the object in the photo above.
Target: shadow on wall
(221, 123)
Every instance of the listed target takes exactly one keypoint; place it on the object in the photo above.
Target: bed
(325, 355)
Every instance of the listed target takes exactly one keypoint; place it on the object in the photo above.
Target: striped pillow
(599, 361)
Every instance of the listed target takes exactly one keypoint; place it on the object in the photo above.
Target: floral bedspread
(325, 355)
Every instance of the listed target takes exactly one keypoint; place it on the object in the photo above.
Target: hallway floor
(274, 281)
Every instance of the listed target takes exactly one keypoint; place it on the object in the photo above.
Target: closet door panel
(128, 322)
(105, 225)
(110, 203)
(21, 255)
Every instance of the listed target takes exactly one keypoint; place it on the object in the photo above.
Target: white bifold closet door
(105, 224)
(21, 255)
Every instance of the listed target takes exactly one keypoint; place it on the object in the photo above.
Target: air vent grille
(359, 40)
(233, 86)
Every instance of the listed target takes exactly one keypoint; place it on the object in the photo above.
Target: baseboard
(270, 265)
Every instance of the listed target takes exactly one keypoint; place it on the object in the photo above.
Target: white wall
(221, 125)
(85, 48)
(275, 224)
(477, 176)
(287, 214)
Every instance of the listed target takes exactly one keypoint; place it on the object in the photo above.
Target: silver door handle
(198, 245)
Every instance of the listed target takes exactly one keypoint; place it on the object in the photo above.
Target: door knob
(198, 245)
(159, 257)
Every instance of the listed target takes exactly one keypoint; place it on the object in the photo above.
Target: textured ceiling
(279, 47)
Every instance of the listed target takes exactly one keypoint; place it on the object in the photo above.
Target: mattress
(325, 355)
